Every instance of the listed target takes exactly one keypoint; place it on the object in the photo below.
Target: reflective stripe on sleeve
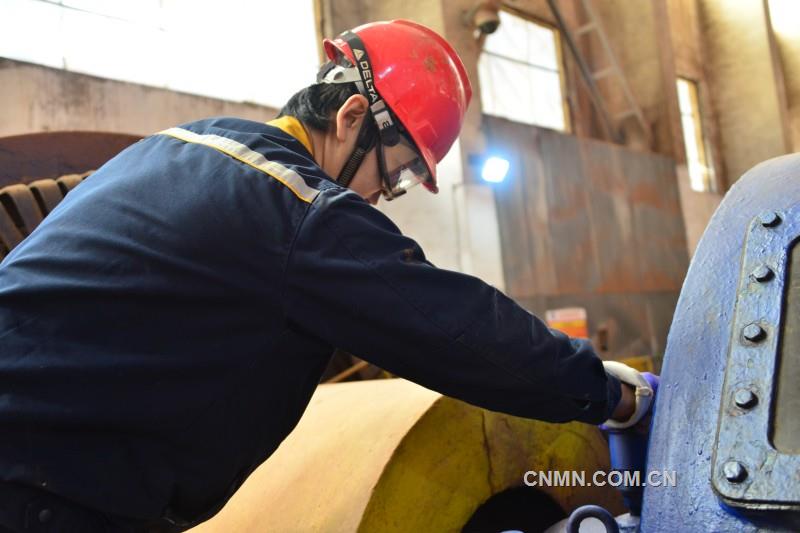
(241, 152)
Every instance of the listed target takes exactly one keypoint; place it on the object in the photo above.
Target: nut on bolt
(753, 332)
(734, 471)
(745, 398)
(769, 219)
(762, 273)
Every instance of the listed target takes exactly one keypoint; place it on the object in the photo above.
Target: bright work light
(494, 169)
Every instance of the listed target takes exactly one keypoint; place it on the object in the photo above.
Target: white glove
(644, 393)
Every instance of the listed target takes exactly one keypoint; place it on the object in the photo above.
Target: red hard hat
(421, 79)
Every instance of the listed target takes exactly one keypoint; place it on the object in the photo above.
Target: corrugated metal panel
(611, 219)
(525, 223)
(593, 224)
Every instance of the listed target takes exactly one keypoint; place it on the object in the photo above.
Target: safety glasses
(401, 167)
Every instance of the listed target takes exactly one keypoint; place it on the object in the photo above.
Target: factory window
(520, 73)
(701, 174)
(234, 53)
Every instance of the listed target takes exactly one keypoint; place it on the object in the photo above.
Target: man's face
(403, 166)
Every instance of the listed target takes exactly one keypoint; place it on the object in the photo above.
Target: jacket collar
(293, 127)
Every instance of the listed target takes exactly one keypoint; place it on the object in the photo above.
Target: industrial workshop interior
(218, 314)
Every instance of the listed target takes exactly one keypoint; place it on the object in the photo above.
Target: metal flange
(748, 471)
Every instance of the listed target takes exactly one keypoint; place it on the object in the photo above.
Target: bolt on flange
(745, 398)
(753, 332)
(734, 471)
(762, 273)
(769, 219)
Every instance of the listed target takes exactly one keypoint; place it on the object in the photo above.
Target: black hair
(315, 105)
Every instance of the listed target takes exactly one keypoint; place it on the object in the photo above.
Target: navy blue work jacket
(162, 331)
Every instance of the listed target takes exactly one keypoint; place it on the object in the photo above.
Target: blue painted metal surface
(698, 348)
(748, 472)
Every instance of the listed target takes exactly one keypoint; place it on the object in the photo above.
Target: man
(164, 328)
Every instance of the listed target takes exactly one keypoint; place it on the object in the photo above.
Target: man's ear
(350, 116)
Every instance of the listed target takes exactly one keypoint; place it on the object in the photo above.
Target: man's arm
(355, 282)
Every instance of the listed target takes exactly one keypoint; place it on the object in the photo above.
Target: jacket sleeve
(354, 281)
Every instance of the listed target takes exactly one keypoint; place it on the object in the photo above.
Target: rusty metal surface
(657, 222)
(48, 194)
(69, 182)
(610, 205)
(10, 235)
(522, 218)
(588, 223)
(574, 250)
(19, 202)
(634, 324)
(23, 207)
(48, 155)
(66, 155)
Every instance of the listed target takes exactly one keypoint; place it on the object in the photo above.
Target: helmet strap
(388, 126)
(383, 116)
(364, 143)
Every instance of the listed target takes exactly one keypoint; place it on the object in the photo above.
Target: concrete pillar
(746, 83)
(785, 18)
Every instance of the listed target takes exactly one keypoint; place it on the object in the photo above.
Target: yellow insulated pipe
(391, 456)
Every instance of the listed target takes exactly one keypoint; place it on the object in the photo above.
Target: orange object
(569, 320)
(642, 363)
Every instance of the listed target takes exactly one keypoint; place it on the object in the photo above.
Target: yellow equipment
(389, 456)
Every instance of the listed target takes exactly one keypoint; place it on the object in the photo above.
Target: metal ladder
(611, 123)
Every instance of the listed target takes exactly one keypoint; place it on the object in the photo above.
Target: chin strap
(350, 168)
(364, 143)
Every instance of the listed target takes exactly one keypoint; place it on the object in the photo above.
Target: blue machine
(727, 410)
(726, 417)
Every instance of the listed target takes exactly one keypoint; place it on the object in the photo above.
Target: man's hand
(626, 405)
(638, 396)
